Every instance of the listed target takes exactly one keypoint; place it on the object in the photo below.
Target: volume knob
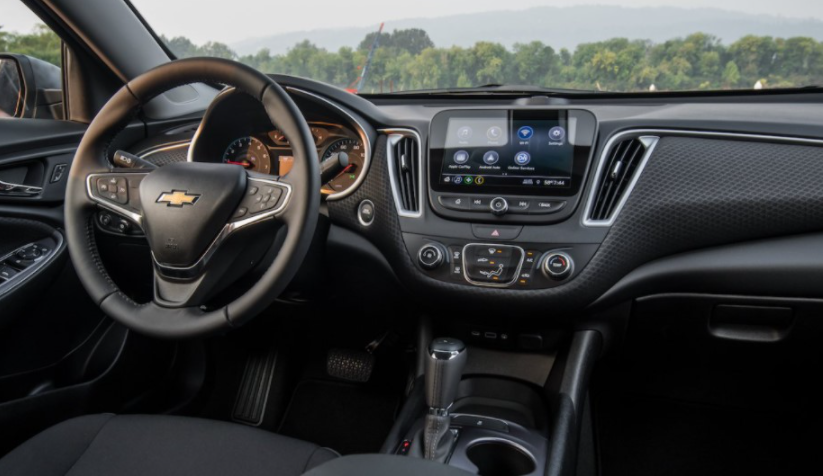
(499, 206)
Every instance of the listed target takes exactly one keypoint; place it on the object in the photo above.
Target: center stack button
(491, 264)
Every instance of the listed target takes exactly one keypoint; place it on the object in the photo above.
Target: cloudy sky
(202, 21)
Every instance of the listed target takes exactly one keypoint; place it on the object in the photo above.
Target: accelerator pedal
(250, 406)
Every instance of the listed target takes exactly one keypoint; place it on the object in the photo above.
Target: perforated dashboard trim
(696, 191)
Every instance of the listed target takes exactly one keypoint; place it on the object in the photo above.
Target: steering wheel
(202, 221)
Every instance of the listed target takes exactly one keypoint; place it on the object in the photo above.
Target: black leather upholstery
(132, 445)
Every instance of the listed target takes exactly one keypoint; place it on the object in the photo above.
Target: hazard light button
(496, 232)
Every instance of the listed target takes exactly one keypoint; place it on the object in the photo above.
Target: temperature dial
(557, 265)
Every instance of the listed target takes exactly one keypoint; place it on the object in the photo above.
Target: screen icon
(522, 158)
(464, 133)
(557, 133)
(491, 157)
(461, 157)
(480, 180)
(525, 133)
(494, 133)
(458, 179)
(468, 180)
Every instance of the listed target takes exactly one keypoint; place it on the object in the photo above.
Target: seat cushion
(131, 445)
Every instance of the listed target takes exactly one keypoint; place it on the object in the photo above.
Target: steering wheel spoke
(118, 191)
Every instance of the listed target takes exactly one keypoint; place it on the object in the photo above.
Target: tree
(731, 75)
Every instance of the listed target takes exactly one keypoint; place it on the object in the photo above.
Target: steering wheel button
(253, 190)
(266, 198)
(241, 212)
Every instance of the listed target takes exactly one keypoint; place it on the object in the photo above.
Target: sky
(257, 18)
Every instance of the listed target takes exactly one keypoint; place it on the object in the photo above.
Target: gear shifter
(444, 369)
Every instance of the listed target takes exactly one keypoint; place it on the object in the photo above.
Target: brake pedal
(250, 406)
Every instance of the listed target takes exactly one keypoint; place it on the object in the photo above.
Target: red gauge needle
(342, 172)
(242, 164)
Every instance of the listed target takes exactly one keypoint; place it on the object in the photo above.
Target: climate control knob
(430, 256)
(557, 265)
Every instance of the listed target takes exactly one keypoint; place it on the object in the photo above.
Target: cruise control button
(241, 212)
(496, 232)
(542, 207)
(455, 202)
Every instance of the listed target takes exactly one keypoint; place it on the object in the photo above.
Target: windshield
(619, 46)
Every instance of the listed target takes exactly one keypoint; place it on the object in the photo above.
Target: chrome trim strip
(649, 142)
(8, 189)
(229, 228)
(113, 207)
(361, 131)
(494, 285)
(394, 135)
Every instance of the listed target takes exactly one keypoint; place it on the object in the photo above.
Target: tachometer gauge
(249, 153)
(350, 152)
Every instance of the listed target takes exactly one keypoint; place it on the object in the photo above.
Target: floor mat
(641, 436)
(345, 417)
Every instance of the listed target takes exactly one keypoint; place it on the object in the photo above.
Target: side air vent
(619, 168)
(405, 171)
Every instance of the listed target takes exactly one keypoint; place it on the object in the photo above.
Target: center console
(502, 172)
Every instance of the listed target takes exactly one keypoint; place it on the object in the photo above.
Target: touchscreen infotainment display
(509, 149)
(522, 152)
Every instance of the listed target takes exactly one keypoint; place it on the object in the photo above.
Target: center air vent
(617, 172)
(405, 171)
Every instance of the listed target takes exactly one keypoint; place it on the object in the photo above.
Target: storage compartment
(500, 458)
(508, 400)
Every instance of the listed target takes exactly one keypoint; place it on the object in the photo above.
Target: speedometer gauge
(249, 153)
(353, 153)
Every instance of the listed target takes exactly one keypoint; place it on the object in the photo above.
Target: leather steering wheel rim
(92, 157)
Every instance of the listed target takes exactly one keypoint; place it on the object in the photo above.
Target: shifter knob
(444, 369)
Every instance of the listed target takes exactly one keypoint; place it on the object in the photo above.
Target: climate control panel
(498, 265)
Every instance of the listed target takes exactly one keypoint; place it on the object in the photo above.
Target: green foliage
(42, 44)
(408, 59)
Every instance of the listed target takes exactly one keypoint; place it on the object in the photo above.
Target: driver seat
(127, 445)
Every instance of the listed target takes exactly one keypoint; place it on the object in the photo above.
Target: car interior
(207, 269)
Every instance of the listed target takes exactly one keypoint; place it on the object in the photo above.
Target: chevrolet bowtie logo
(178, 198)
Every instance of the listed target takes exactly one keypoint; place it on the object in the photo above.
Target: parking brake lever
(444, 369)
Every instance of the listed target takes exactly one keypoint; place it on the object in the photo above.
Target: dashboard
(561, 203)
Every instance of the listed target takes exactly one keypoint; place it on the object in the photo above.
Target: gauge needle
(346, 170)
(244, 164)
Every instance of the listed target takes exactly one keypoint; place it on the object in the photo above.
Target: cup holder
(500, 458)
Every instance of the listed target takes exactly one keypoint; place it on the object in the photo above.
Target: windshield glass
(371, 46)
